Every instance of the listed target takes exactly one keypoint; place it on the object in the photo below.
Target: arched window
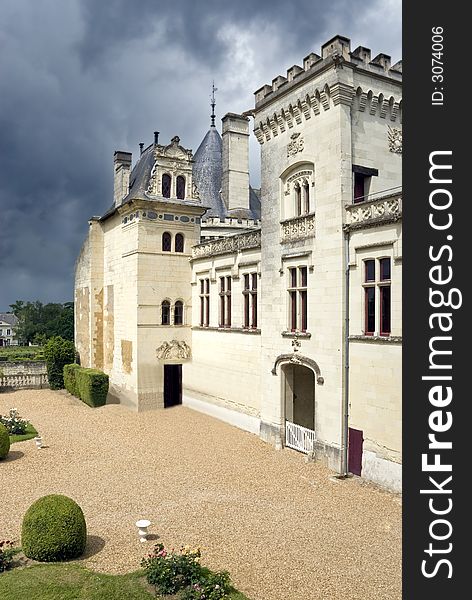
(298, 200)
(166, 242)
(178, 313)
(180, 187)
(179, 243)
(306, 196)
(166, 183)
(165, 312)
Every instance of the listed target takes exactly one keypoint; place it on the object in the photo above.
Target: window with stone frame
(165, 312)
(225, 301)
(179, 243)
(298, 298)
(377, 296)
(166, 185)
(361, 184)
(250, 301)
(180, 185)
(298, 188)
(204, 302)
(179, 313)
(166, 242)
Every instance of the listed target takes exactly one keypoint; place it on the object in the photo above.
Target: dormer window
(180, 187)
(166, 185)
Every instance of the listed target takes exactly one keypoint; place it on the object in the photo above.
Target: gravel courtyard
(281, 527)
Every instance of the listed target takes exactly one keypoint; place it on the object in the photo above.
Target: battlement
(335, 51)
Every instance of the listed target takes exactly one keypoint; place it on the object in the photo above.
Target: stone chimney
(122, 170)
(235, 179)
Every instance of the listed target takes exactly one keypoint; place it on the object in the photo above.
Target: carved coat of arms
(296, 145)
(173, 350)
(395, 140)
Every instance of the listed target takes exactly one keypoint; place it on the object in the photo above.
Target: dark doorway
(356, 439)
(172, 385)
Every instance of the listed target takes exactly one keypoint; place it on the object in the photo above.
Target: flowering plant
(6, 555)
(211, 586)
(14, 423)
(171, 571)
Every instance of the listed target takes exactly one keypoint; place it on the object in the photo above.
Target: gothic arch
(299, 359)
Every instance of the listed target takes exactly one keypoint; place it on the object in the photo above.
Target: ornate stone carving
(373, 212)
(232, 243)
(296, 145)
(395, 140)
(195, 192)
(173, 350)
(154, 182)
(298, 228)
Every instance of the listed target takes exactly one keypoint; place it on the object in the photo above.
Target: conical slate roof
(207, 171)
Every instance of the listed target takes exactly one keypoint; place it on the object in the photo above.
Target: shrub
(211, 586)
(6, 555)
(70, 378)
(4, 441)
(58, 352)
(170, 572)
(92, 386)
(14, 423)
(53, 529)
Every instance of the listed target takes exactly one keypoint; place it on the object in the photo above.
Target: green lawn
(28, 435)
(71, 581)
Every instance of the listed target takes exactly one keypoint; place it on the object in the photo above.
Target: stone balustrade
(230, 243)
(298, 228)
(24, 380)
(374, 212)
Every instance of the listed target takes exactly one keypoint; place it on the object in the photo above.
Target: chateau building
(278, 310)
(8, 325)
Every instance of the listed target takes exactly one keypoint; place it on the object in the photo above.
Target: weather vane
(213, 102)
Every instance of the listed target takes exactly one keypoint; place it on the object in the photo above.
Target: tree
(39, 322)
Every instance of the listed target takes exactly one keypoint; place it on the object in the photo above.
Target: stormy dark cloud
(82, 78)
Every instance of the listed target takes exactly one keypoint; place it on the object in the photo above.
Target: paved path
(280, 526)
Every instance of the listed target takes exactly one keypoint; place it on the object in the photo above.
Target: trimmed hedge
(70, 379)
(58, 352)
(90, 385)
(4, 441)
(53, 529)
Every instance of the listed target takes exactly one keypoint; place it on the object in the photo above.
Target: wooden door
(172, 385)
(356, 440)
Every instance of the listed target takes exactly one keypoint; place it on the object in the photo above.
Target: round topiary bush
(53, 529)
(4, 441)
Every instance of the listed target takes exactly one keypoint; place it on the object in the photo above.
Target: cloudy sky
(82, 78)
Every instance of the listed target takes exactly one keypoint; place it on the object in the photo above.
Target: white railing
(299, 438)
(21, 380)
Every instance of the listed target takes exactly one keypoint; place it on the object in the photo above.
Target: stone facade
(282, 323)
(8, 324)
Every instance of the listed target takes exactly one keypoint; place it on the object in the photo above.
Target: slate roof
(207, 173)
(9, 318)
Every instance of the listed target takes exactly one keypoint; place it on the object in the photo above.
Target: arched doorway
(298, 396)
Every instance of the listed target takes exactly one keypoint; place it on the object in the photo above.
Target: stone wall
(23, 367)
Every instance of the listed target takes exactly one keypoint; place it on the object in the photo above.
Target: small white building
(8, 324)
(278, 311)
